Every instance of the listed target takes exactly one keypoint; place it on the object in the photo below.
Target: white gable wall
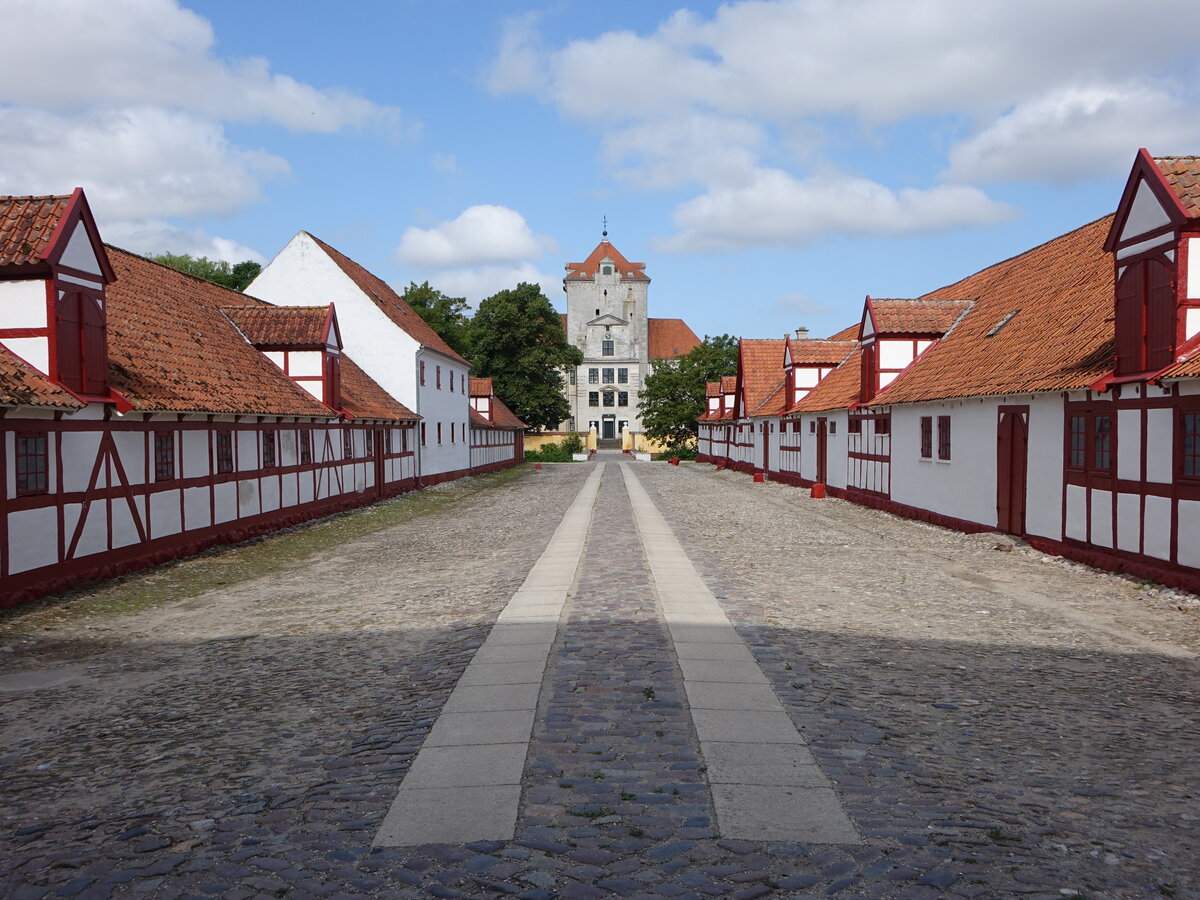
(302, 274)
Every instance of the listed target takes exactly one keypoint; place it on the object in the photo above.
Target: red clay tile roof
(773, 404)
(297, 326)
(503, 417)
(831, 352)
(26, 226)
(590, 267)
(728, 384)
(480, 387)
(838, 390)
(849, 333)
(363, 398)
(389, 301)
(1060, 338)
(670, 338)
(712, 389)
(23, 385)
(760, 370)
(1182, 173)
(916, 316)
(477, 419)
(170, 347)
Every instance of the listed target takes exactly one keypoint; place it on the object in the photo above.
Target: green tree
(672, 399)
(445, 315)
(517, 339)
(218, 271)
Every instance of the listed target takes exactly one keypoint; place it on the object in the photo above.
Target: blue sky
(771, 161)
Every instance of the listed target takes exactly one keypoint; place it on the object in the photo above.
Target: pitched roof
(712, 389)
(1041, 321)
(503, 417)
(590, 267)
(171, 348)
(26, 226)
(389, 302)
(670, 338)
(728, 384)
(828, 353)
(363, 398)
(849, 333)
(480, 387)
(760, 370)
(1182, 173)
(23, 385)
(840, 389)
(923, 316)
(301, 326)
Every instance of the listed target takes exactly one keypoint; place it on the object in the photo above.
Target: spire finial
(605, 232)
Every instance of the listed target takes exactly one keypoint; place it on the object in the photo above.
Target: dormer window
(606, 270)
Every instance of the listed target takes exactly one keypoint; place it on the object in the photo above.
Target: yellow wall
(537, 440)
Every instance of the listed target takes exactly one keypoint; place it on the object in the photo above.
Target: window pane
(593, 398)
(593, 376)
(622, 376)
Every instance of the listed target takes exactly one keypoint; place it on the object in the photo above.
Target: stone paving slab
(488, 764)
(484, 697)
(450, 815)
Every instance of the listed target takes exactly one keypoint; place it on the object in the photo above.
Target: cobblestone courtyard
(993, 722)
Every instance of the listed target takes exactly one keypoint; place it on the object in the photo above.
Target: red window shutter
(943, 437)
(333, 381)
(1129, 321)
(870, 373)
(1161, 315)
(68, 341)
(95, 346)
(926, 437)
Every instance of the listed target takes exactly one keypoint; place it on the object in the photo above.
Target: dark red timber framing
(106, 486)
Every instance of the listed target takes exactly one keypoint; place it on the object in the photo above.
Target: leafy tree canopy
(517, 339)
(445, 315)
(218, 271)
(672, 399)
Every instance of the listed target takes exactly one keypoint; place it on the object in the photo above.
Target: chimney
(802, 333)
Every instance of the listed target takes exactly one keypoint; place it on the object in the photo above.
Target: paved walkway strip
(765, 781)
(465, 783)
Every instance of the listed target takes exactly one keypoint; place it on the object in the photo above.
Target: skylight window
(995, 331)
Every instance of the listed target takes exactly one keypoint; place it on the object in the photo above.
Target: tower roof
(590, 267)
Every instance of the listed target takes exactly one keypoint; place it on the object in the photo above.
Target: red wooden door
(766, 441)
(822, 450)
(1012, 455)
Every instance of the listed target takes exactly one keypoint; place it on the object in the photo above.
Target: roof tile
(300, 326)
(1182, 173)
(590, 267)
(670, 338)
(23, 385)
(923, 316)
(761, 370)
(26, 226)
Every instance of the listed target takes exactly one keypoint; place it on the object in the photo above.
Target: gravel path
(996, 723)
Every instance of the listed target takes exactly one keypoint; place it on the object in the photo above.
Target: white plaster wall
(306, 362)
(1102, 511)
(1129, 444)
(94, 536)
(1129, 522)
(194, 447)
(269, 493)
(303, 274)
(1158, 528)
(1043, 501)
(131, 446)
(32, 539)
(124, 530)
(79, 458)
(1160, 446)
(1189, 529)
(164, 514)
(225, 507)
(445, 407)
(290, 491)
(965, 486)
(34, 350)
(23, 304)
(895, 354)
(1076, 524)
(246, 450)
(79, 253)
(196, 508)
(288, 454)
(1145, 213)
(248, 504)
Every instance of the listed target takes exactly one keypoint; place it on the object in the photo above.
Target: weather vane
(605, 232)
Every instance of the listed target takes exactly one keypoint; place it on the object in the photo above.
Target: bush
(573, 444)
(548, 453)
(682, 451)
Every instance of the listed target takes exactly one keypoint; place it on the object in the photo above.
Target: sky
(771, 161)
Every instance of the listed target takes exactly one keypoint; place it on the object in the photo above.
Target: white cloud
(775, 208)
(480, 282)
(131, 163)
(154, 52)
(666, 152)
(1074, 132)
(519, 65)
(481, 234)
(444, 162)
(150, 237)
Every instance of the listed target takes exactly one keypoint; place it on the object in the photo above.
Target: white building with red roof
(146, 414)
(607, 318)
(390, 341)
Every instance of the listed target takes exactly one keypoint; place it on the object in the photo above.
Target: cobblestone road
(995, 723)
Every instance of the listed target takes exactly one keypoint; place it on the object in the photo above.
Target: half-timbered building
(497, 435)
(1054, 395)
(146, 414)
